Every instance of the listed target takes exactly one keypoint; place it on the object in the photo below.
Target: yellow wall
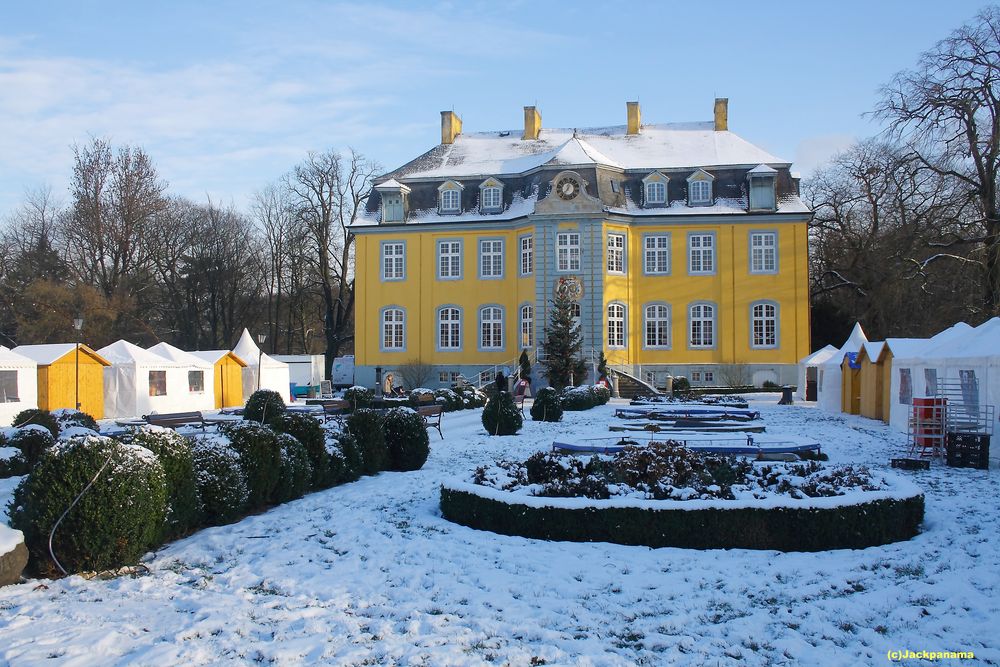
(228, 383)
(57, 385)
(871, 378)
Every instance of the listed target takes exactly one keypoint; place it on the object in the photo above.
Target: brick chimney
(721, 114)
(634, 120)
(451, 127)
(532, 123)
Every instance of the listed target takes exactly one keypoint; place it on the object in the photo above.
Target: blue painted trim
(555, 264)
(750, 235)
(715, 325)
(381, 267)
(437, 328)
(670, 249)
(461, 259)
(381, 329)
(503, 329)
(503, 256)
(670, 325)
(777, 324)
(715, 254)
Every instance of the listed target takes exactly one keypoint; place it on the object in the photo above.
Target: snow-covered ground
(369, 573)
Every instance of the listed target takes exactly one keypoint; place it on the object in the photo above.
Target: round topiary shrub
(601, 394)
(471, 397)
(308, 430)
(12, 462)
(407, 440)
(366, 427)
(260, 458)
(174, 452)
(547, 406)
(501, 416)
(33, 440)
(40, 417)
(222, 484)
(67, 418)
(681, 386)
(263, 406)
(296, 471)
(345, 457)
(114, 523)
(578, 398)
(359, 397)
(448, 399)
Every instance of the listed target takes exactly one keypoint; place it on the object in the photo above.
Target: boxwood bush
(112, 525)
(263, 406)
(309, 431)
(601, 394)
(345, 456)
(33, 440)
(360, 397)
(547, 407)
(578, 398)
(501, 416)
(296, 471)
(366, 427)
(406, 438)
(12, 464)
(174, 452)
(222, 483)
(37, 416)
(260, 459)
(67, 418)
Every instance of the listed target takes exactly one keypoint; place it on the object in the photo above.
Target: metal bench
(175, 419)
(432, 417)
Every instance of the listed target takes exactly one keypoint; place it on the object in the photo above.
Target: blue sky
(227, 96)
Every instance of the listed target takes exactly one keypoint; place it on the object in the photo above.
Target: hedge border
(855, 526)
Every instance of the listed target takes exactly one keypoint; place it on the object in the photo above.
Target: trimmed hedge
(360, 397)
(367, 428)
(296, 471)
(547, 406)
(33, 441)
(67, 417)
(260, 458)
(407, 439)
(222, 484)
(174, 452)
(308, 430)
(37, 416)
(345, 457)
(501, 416)
(113, 524)
(783, 529)
(263, 406)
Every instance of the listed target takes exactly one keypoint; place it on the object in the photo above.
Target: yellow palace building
(683, 246)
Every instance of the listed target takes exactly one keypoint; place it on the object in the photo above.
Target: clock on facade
(567, 188)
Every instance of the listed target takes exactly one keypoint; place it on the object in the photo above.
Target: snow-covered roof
(852, 344)
(666, 146)
(248, 351)
(519, 208)
(819, 356)
(392, 184)
(213, 356)
(981, 341)
(11, 359)
(762, 170)
(180, 356)
(722, 206)
(917, 348)
(122, 352)
(872, 349)
(49, 353)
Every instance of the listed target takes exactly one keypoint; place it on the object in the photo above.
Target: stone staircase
(630, 386)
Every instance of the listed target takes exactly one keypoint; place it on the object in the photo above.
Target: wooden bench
(432, 417)
(175, 419)
(336, 407)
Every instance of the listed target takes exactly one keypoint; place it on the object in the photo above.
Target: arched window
(657, 318)
(393, 327)
(491, 199)
(527, 325)
(450, 201)
(491, 328)
(656, 192)
(702, 325)
(700, 192)
(449, 328)
(764, 324)
(616, 325)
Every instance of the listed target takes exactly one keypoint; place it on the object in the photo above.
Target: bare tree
(328, 192)
(947, 110)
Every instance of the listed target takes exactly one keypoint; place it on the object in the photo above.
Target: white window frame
(491, 259)
(617, 334)
(617, 243)
(697, 319)
(449, 259)
(763, 336)
(698, 248)
(526, 326)
(568, 254)
(491, 330)
(656, 254)
(451, 200)
(449, 330)
(763, 252)
(709, 376)
(767, 182)
(392, 331)
(488, 195)
(700, 192)
(661, 322)
(526, 244)
(393, 260)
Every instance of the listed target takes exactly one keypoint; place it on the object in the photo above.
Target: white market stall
(809, 369)
(18, 384)
(274, 375)
(140, 382)
(829, 384)
(200, 374)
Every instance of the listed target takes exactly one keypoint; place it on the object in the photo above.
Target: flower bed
(663, 495)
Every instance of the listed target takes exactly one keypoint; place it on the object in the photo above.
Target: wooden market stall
(228, 375)
(60, 368)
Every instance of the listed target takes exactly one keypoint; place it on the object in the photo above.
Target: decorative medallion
(567, 188)
(569, 287)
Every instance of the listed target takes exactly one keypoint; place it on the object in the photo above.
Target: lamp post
(261, 337)
(78, 325)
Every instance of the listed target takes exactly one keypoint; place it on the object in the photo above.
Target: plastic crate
(968, 450)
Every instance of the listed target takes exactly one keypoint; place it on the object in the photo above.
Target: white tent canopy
(200, 382)
(18, 384)
(141, 382)
(274, 375)
(814, 360)
(829, 383)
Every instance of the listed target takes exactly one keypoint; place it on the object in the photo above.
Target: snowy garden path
(369, 573)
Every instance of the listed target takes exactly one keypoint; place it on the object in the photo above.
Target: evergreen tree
(563, 362)
(602, 365)
(525, 365)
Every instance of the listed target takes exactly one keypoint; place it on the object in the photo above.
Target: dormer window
(450, 197)
(762, 180)
(393, 195)
(491, 196)
(655, 189)
(700, 188)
